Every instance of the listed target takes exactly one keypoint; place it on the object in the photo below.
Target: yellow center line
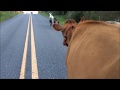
(23, 67)
(33, 55)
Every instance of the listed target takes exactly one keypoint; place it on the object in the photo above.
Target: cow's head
(66, 29)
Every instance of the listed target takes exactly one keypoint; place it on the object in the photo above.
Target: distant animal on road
(52, 19)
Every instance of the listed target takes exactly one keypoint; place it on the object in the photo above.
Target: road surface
(31, 49)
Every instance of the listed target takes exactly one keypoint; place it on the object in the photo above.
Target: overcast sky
(28, 12)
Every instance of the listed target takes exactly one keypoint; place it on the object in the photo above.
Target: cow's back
(94, 52)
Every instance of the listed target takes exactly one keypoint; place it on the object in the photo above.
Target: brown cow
(93, 49)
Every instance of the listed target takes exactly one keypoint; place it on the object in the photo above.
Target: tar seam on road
(33, 55)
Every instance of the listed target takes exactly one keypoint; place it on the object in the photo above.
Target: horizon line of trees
(94, 15)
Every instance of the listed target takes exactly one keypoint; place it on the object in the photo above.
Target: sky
(29, 12)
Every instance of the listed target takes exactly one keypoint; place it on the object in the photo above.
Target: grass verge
(4, 15)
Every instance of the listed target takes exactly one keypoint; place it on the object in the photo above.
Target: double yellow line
(33, 53)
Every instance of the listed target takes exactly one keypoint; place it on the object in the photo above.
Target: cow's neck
(70, 33)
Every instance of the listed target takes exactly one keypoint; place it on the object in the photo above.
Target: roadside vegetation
(89, 15)
(4, 15)
(60, 18)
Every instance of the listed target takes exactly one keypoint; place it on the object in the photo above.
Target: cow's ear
(57, 27)
(82, 19)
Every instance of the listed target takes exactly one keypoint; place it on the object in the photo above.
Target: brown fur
(93, 51)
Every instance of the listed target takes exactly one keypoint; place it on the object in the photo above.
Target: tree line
(77, 15)
(93, 15)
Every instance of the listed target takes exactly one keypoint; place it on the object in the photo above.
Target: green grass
(4, 15)
(60, 18)
(44, 14)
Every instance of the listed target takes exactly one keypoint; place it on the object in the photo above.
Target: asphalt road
(50, 52)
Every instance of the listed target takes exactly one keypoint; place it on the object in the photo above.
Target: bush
(77, 15)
